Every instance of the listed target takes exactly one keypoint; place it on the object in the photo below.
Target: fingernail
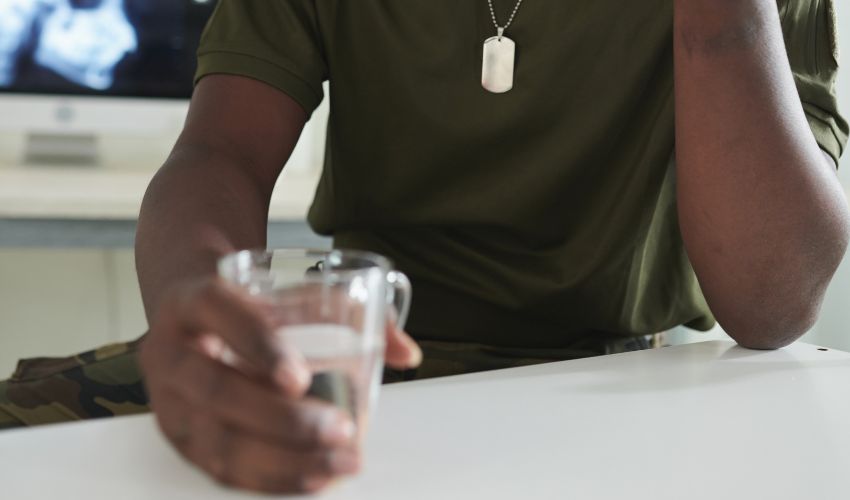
(344, 461)
(415, 354)
(338, 428)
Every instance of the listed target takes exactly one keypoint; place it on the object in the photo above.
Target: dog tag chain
(497, 69)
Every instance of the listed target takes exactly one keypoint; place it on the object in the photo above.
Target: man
(552, 221)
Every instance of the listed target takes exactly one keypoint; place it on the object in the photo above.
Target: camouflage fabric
(105, 382)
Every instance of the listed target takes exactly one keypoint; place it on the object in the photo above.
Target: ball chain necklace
(497, 70)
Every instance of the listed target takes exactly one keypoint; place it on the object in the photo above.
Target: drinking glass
(332, 308)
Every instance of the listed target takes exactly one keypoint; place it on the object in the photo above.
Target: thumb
(402, 351)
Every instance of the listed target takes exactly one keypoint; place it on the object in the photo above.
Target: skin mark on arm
(741, 36)
(714, 28)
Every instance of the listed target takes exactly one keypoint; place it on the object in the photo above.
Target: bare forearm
(199, 207)
(764, 219)
(213, 193)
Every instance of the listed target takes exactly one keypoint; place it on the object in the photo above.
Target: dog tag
(497, 72)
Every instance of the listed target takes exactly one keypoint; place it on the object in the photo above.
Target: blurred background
(92, 97)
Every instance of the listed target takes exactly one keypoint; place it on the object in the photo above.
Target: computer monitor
(73, 71)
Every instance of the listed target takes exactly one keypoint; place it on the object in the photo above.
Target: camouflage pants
(107, 382)
(102, 383)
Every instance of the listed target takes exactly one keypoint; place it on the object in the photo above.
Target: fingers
(242, 322)
(229, 396)
(241, 459)
(258, 465)
(402, 351)
(256, 406)
(214, 306)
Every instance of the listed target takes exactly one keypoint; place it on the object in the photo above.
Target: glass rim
(258, 254)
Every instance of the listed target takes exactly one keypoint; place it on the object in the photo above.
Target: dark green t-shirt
(554, 203)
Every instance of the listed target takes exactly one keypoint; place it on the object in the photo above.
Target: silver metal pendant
(497, 71)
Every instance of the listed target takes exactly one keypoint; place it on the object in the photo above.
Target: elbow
(771, 328)
(783, 303)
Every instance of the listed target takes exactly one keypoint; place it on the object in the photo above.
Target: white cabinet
(56, 302)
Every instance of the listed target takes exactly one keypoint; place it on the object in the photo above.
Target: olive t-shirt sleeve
(809, 27)
(274, 41)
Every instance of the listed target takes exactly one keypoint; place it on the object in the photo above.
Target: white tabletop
(702, 421)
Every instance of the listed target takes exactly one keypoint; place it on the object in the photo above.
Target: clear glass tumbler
(333, 308)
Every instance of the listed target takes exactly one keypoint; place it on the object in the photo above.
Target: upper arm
(260, 71)
(252, 123)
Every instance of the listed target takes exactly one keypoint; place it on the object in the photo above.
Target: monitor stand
(79, 149)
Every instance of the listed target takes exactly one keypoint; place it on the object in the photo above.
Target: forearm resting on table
(199, 206)
(764, 219)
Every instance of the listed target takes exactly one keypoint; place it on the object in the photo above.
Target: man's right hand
(249, 427)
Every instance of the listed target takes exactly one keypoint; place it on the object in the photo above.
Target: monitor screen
(129, 48)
